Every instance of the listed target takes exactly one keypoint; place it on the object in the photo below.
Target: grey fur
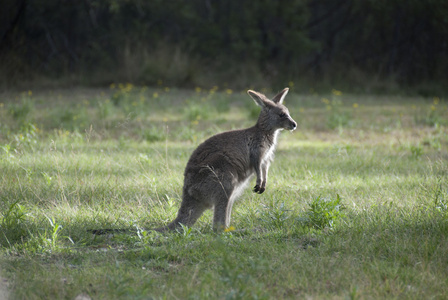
(220, 168)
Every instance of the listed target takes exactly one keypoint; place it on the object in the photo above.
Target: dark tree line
(404, 40)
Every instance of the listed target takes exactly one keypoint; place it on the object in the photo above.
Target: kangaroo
(220, 168)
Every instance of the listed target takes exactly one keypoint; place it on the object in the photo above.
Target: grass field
(356, 204)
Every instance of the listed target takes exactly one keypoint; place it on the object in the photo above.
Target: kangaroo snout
(292, 125)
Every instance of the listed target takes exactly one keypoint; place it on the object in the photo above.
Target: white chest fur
(269, 154)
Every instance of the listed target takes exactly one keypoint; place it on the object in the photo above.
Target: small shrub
(323, 212)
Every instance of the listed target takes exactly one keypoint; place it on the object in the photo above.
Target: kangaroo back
(220, 168)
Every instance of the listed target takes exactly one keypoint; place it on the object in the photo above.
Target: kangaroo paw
(259, 190)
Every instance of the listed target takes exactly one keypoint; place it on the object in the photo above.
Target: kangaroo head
(274, 115)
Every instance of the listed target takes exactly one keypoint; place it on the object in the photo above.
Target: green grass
(355, 206)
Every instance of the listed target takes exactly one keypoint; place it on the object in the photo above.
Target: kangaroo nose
(293, 125)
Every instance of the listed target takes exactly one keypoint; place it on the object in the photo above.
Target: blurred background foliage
(368, 45)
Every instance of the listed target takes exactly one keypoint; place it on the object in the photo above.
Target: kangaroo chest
(269, 148)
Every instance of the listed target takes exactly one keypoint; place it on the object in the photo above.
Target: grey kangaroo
(220, 168)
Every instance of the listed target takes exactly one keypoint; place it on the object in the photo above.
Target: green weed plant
(323, 212)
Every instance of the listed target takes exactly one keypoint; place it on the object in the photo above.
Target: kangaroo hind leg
(223, 200)
(190, 211)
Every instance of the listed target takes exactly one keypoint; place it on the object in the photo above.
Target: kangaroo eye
(282, 115)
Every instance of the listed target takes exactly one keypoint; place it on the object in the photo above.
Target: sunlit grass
(74, 160)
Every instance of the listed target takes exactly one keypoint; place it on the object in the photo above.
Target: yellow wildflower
(229, 229)
(155, 95)
(129, 87)
(336, 92)
(229, 91)
(355, 105)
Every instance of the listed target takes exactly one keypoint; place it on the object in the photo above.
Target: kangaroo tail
(170, 227)
(103, 231)
(109, 231)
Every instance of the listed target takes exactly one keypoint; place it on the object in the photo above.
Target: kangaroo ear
(258, 98)
(281, 96)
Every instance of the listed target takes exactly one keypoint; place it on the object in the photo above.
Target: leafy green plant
(322, 212)
(56, 228)
(186, 231)
(13, 223)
